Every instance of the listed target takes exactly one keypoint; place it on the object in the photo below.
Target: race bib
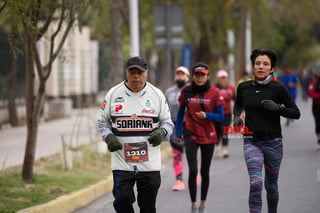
(136, 152)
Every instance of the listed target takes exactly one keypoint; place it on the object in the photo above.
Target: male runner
(135, 118)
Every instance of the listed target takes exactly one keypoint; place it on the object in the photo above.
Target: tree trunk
(241, 57)
(116, 71)
(35, 99)
(11, 94)
(32, 124)
(34, 105)
(203, 51)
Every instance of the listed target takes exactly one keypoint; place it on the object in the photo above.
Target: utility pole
(248, 44)
(134, 28)
(168, 49)
(231, 40)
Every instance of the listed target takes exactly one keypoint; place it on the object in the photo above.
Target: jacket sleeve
(288, 109)
(312, 90)
(179, 121)
(216, 116)
(165, 116)
(233, 93)
(104, 121)
(238, 104)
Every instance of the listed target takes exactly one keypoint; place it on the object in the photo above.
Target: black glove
(237, 121)
(271, 105)
(156, 136)
(113, 143)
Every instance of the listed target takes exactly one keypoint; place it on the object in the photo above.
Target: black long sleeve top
(264, 124)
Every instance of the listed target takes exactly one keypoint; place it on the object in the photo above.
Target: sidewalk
(81, 124)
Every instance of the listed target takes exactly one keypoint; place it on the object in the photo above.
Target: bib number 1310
(136, 152)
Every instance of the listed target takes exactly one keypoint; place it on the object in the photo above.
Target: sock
(179, 177)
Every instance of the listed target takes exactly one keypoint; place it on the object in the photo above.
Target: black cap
(201, 67)
(137, 62)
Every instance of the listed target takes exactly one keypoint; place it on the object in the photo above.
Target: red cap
(201, 67)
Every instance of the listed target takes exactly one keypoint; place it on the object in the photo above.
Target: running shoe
(194, 209)
(318, 146)
(178, 186)
(225, 153)
(202, 209)
(198, 180)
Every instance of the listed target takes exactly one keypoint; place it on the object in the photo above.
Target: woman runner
(264, 101)
(203, 106)
(181, 77)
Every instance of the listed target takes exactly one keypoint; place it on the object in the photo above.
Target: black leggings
(316, 115)
(206, 156)
(219, 129)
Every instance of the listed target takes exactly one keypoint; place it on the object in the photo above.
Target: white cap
(222, 74)
(183, 69)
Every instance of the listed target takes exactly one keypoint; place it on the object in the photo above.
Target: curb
(82, 197)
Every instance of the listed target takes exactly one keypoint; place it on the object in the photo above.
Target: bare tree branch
(63, 39)
(54, 55)
(52, 41)
(3, 6)
(45, 26)
(62, 16)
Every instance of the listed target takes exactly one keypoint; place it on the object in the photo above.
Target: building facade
(75, 71)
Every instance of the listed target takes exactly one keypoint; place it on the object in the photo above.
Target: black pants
(148, 184)
(206, 156)
(219, 129)
(316, 115)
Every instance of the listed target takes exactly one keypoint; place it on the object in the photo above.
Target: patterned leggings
(267, 153)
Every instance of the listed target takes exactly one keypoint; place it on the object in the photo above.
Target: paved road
(299, 178)
(81, 122)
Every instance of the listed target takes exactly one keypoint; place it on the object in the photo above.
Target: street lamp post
(134, 28)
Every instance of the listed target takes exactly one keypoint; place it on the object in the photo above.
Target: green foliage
(98, 19)
(286, 26)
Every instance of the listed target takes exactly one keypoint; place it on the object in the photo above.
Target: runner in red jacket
(203, 105)
(314, 93)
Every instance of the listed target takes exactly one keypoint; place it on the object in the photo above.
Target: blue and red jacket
(202, 131)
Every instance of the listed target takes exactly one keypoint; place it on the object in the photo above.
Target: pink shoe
(198, 180)
(178, 186)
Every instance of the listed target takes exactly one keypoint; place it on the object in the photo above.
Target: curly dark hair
(271, 55)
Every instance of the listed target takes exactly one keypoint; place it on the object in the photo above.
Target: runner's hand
(113, 143)
(156, 136)
(271, 105)
(201, 115)
(237, 121)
